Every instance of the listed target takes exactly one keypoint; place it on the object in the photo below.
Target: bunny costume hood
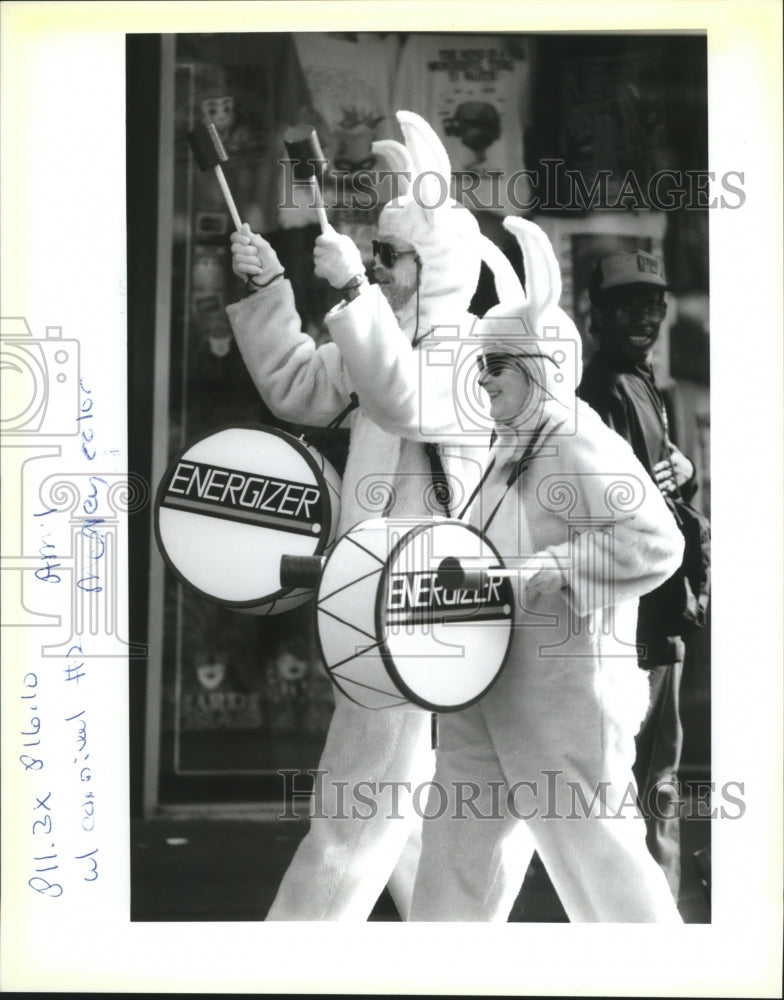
(444, 233)
(536, 330)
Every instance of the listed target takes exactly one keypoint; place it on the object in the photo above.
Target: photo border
(63, 264)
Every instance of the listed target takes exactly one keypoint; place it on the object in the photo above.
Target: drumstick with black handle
(301, 571)
(308, 163)
(209, 153)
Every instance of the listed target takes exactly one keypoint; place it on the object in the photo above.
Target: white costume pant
(535, 735)
(345, 860)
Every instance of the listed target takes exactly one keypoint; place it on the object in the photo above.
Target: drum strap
(333, 424)
(477, 488)
(437, 473)
(438, 477)
(519, 468)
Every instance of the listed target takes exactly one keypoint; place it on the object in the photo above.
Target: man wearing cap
(627, 308)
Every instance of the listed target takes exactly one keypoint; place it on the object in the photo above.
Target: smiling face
(395, 269)
(508, 387)
(626, 321)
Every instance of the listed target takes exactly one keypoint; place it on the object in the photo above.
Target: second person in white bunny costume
(427, 264)
(548, 752)
(568, 500)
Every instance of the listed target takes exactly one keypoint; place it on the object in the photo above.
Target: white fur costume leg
(344, 861)
(472, 868)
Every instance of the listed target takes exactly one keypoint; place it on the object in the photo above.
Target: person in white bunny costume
(548, 751)
(426, 265)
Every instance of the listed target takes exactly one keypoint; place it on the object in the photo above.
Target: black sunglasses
(386, 253)
(495, 363)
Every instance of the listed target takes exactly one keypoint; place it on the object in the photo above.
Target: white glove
(541, 576)
(253, 259)
(337, 259)
(546, 581)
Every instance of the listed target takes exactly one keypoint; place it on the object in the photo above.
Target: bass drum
(235, 502)
(391, 637)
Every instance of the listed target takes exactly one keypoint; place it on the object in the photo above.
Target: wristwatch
(353, 287)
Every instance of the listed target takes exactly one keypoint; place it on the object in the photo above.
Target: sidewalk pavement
(226, 868)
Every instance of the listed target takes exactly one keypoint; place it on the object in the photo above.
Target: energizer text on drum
(274, 496)
(417, 590)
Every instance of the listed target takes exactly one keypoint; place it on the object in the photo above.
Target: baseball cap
(619, 269)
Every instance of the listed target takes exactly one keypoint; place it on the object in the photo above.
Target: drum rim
(317, 634)
(284, 592)
(386, 655)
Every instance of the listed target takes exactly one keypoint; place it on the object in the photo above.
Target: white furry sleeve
(622, 540)
(298, 381)
(399, 387)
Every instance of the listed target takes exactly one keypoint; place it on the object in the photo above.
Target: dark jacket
(626, 397)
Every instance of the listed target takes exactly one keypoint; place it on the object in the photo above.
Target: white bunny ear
(429, 158)
(507, 284)
(399, 160)
(542, 273)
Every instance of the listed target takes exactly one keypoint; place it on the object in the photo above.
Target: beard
(396, 292)
(397, 295)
